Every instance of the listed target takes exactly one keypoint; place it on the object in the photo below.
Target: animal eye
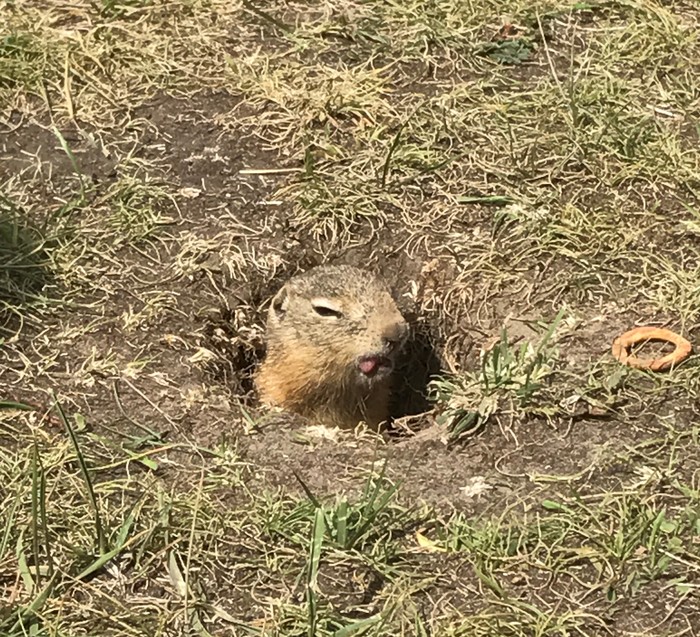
(324, 310)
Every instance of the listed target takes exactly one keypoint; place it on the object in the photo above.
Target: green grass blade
(74, 162)
(307, 491)
(22, 566)
(35, 513)
(9, 523)
(266, 17)
(44, 521)
(542, 344)
(392, 149)
(122, 537)
(490, 200)
(317, 533)
(341, 526)
(9, 404)
(28, 612)
(358, 627)
(101, 544)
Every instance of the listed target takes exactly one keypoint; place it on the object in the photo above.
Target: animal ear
(279, 303)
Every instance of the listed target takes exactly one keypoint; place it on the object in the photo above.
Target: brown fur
(311, 366)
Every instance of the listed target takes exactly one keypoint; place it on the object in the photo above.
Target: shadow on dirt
(417, 366)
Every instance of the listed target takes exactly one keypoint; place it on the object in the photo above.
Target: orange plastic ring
(623, 344)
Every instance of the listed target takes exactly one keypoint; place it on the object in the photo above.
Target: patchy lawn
(526, 175)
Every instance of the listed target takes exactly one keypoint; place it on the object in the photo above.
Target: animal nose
(390, 345)
(394, 338)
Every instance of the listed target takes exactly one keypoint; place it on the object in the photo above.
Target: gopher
(333, 335)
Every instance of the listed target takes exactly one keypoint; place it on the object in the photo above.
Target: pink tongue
(368, 365)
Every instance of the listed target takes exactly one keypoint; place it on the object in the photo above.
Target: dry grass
(531, 195)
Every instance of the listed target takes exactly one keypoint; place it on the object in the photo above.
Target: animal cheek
(376, 337)
(334, 353)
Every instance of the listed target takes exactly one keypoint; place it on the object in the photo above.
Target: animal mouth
(375, 365)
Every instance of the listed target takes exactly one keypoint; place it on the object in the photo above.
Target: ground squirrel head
(345, 313)
(333, 334)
